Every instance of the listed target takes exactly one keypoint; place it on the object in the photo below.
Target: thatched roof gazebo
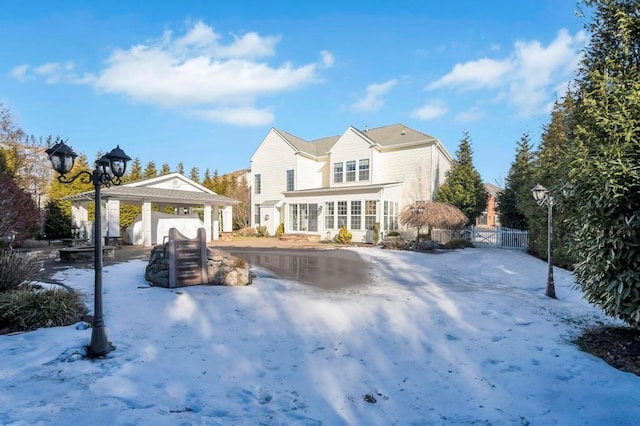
(431, 214)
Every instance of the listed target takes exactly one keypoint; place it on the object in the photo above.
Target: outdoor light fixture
(108, 171)
(543, 197)
(266, 217)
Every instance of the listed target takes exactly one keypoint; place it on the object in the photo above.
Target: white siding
(411, 166)
(350, 147)
(272, 160)
(308, 174)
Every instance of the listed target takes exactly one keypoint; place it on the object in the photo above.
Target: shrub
(456, 244)
(16, 269)
(57, 223)
(396, 243)
(426, 245)
(247, 232)
(344, 236)
(29, 307)
(393, 234)
(376, 233)
(261, 231)
(280, 229)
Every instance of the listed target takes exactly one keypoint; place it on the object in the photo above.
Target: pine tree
(515, 199)
(463, 187)
(150, 170)
(165, 169)
(194, 175)
(605, 169)
(207, 182)
(551, 172)
(135, 170)
(180, 168)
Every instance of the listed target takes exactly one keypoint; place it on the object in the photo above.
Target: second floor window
(337, 172)
(351, 171)
(363, 169)
(258, 184)
(289, 180)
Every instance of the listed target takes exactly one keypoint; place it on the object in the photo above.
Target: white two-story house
(355, 180)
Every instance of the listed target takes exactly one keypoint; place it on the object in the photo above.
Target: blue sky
(202, 82)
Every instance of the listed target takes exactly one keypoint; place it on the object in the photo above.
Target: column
(207, 222)
(216, 223)
(113, 218)
(146, 224)
(227, 219)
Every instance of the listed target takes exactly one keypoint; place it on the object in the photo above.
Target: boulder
(222, 268)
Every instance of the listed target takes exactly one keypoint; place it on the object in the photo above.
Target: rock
(222, 268)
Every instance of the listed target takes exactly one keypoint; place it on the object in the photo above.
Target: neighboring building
(357, 179)
(490, 216)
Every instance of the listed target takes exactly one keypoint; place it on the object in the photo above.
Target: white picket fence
(485, 237)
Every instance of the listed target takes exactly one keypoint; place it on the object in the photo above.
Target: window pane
(337, 172)
(304, 217)
(258, 183)
(256, 214)
(356, 218)
(342, 214)
(289, 180)
(351, 171)
(328, 215)
(363, 170)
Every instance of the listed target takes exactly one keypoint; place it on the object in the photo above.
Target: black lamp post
(108, 171)
(543, 197)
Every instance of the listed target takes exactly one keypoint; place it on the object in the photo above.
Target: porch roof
(353, 189)
(158, 195)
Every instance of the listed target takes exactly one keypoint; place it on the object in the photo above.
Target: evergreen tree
(605, 169)
(515, 199)
(59, 190)
(165, 170)
(135, 170)
(207, 182)
(180, 168)
(150, 170)
(463, 187)
(57, 223)
(195, 174)
(551, 172)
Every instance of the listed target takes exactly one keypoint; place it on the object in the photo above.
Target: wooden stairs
(187, 259)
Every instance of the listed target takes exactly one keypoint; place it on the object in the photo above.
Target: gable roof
(386, 136)
(152, 189)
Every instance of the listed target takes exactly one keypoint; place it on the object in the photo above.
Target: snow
(456, 338)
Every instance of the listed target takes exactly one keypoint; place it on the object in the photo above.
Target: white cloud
(327, 59)
(197, 69)
(430, 111)
(20, 72)
(243, 116)
(475, 74)
(527, 77)
(372, 100)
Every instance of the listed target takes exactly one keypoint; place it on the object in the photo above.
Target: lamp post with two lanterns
(544, 197)
(108, 171)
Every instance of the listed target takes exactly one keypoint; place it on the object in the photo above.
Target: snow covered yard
(463, 337)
